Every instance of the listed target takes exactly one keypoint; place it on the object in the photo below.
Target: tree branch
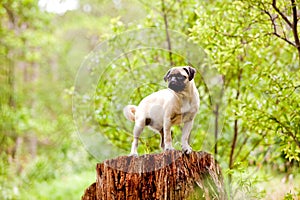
(216, 112)
(284, 39)
(295, 27)
(254, 147)
(284, 17)
(235, 126)
(275, 29)
(242, 146)
(288, 132)
(284, 128)
(149, 5)
(10, 14)
(164, 11)
(295, 21)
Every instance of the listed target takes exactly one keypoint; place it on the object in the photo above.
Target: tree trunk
(168, 175)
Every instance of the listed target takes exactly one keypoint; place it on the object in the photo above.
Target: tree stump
(168, 175)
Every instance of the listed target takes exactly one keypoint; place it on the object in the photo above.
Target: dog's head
(179, 77)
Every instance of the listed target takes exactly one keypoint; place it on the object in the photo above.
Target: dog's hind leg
(162, 143)
(138, 128)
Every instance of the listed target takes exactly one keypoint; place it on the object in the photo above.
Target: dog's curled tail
(129, 112)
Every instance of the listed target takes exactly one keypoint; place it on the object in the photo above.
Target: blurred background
(254, 126)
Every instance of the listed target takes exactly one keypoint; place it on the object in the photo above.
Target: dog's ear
(190, 71)
(167, 75)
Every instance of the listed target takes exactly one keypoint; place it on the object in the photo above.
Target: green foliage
(37, 140)
(261, 85)
(261, 96)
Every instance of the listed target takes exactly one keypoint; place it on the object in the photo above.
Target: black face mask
(176, 83)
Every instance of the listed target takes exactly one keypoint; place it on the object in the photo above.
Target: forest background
(254, 123)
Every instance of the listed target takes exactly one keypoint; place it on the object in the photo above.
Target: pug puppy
(178, 104)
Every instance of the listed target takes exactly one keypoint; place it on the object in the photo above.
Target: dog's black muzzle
(176, 86)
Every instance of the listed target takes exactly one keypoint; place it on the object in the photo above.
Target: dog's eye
(181, 77)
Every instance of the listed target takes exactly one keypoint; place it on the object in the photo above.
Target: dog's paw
(133, 154)
(168, 148)
(187, 149)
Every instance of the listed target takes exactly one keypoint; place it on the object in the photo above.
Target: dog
(178, 104)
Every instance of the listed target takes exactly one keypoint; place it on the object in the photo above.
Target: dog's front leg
(138, 128)
(167, 135)
(186, 131)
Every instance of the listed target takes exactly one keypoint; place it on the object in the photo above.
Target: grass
(279, 186)
(68, 187)
(263, 183)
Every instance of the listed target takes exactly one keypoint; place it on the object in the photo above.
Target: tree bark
(168, 175)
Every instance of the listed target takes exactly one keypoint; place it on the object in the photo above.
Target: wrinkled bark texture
(168, 175)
